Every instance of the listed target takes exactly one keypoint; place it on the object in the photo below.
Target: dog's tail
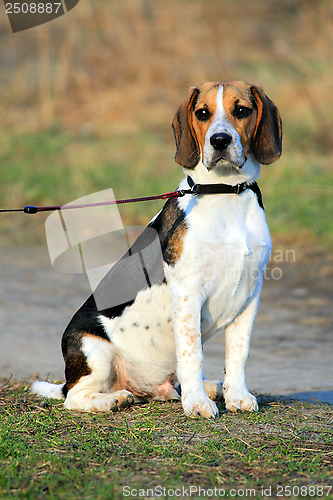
(48, 390)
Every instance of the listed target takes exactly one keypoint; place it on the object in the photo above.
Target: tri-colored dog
(215, 245)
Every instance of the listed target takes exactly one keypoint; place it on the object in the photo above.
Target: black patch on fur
(86, 319)
(139, 269)
(76, 361)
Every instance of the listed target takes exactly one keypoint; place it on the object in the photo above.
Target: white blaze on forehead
(221, 124)
(220, 111)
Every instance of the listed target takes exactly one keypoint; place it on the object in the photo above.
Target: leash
(195, 190)
(30, 209)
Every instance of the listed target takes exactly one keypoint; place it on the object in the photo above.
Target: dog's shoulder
(171, 227)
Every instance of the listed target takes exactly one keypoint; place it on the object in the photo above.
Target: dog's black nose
(220, 141)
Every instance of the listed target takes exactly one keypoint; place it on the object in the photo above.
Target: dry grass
(123, 65)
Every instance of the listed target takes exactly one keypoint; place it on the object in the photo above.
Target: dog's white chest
(226, 249)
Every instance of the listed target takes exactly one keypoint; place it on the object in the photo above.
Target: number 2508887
(32, 8)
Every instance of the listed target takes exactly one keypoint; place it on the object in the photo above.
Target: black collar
(224, 189)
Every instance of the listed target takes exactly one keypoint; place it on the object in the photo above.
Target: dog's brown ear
(188, 152)
(267, 137)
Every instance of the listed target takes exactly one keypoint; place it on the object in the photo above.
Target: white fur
(217, 282)
(237, 336)
(47, 389)
(92, 392)
(220, 273)
(144, 332)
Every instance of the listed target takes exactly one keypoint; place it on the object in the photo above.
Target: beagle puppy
(214, 245)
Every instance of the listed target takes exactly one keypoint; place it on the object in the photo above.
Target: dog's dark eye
(202, 114)
(242, 112)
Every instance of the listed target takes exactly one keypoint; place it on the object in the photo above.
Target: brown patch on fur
(171, 228)
(175, 246)
(205, 100)
(187, 153)
(267, 138)
(238, 93)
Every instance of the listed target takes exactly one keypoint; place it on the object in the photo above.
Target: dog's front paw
(239, 399)
(204, 407)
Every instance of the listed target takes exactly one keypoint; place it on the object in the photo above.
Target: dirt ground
(291, 347)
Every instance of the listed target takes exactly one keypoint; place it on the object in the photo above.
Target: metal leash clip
(194, 191)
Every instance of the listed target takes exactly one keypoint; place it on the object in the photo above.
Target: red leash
(33, 210)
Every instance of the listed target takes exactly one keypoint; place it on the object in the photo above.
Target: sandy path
(292, 342)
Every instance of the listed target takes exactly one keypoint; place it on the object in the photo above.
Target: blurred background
(87, 103)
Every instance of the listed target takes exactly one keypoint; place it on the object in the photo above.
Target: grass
(48, 452)
(55, 167)
(297, 193)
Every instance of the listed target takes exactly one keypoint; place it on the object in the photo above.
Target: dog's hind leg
(213, 389)
(91, 375)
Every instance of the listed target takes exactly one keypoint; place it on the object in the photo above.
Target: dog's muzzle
(223, 153)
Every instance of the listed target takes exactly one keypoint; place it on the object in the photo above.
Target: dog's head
(223, 124)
